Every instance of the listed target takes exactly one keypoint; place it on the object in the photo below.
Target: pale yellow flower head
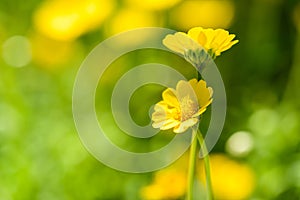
(212, 41)
(181, 108)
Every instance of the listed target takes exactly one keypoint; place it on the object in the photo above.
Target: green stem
(206, 165)
(192, 163)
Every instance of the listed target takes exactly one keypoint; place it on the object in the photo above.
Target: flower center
(188, 108)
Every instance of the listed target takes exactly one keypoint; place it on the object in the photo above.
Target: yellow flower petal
(185, 125)
(220, 36)
(209, 35)
(185, 89)
(180, 42)
(171, 42)
(229, 45)
(194, 32)
(202, 39)
(169, 96)
(160, 113)
(167, 124)
(204, 94)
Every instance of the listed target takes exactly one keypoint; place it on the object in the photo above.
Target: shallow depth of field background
(43, 44)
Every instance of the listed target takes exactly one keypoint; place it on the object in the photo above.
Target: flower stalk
(206, 165)
(192, 165)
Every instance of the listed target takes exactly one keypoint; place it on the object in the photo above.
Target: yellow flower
(231, 180)
(167, 184)
(213, 41)
(130, 18)
(205, 13)
(61, 51)
(152, 5)
(181, 108)
(66, 20)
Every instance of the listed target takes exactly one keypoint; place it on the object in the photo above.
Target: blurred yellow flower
(168, 184)
(152, 4)
(213, 41)
(130, 18)
(205, 13)
(181, 108)
(67, 20)
(61, 51)
(231, 180)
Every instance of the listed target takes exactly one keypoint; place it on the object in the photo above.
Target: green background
(42, 157)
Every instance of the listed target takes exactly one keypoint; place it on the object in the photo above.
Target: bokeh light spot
(263, 122)
(16, 51)
(239, 144)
